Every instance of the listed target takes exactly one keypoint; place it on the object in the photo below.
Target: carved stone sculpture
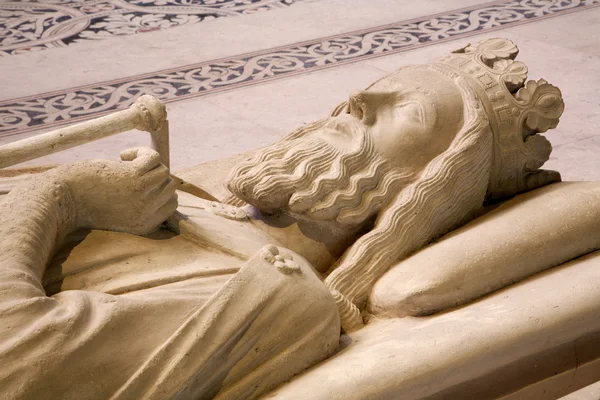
(421, 149)
(238, 296)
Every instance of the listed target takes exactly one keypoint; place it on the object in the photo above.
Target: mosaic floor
(73, 104)
(34, 25)
(236, 83)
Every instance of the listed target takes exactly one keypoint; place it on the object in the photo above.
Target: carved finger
(142, 158)
(168, 186)
(156, 177)
(162, 198)
(130, 154)
(165, 211)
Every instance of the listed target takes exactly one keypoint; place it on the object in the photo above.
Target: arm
(134, 195)
(156, 343)
(63, 346)
(33, 219)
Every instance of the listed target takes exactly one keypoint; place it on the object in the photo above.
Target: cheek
(404, 145)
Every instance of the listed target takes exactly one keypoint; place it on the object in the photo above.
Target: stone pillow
(525, 235)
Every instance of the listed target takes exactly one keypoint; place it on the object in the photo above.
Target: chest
(203, 242)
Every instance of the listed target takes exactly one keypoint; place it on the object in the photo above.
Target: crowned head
(518, 111)
(403, 128)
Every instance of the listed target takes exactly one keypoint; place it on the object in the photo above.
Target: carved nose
(363, 105)
(356, 105)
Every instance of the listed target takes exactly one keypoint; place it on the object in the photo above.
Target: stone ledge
(553, 317)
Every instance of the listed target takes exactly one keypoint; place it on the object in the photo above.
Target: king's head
(347, 167)
(420, 151)
(405, 127)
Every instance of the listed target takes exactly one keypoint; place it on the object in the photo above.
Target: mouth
(342, 134)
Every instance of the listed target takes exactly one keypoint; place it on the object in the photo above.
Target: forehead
(416, 79)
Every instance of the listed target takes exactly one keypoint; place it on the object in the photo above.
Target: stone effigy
(317, 232)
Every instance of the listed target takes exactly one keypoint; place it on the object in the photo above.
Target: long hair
(448, 192)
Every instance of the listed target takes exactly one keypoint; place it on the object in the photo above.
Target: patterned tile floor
(75, 104)
(34, 25)
(233, 84)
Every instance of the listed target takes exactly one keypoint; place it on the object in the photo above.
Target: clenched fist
(133, 195)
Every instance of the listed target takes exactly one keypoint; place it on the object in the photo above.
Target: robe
(193, 315)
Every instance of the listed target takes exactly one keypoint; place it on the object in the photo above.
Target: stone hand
(133, 195)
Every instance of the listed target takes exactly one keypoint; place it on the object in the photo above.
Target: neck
(321, 243)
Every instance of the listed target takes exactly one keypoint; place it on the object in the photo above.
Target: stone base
(536, 339)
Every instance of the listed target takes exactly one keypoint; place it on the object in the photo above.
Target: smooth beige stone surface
(591, 392)
(521, 237)
(584, 372)
(211, 175)
(582, 154)
(411, 358)
(203, 131)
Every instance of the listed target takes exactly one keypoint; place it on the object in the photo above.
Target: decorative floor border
(35, 25)
(75, 104)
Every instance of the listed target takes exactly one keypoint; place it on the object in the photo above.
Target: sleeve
(262, 327)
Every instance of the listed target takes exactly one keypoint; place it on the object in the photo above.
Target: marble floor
(238, 74)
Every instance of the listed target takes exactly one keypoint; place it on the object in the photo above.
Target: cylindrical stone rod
(146, 114)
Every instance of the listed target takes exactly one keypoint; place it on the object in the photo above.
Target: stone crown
(517, 110)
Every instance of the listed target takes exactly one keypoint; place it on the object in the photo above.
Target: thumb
(144, 159)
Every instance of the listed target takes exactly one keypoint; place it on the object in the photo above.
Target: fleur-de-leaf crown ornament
(518, 111)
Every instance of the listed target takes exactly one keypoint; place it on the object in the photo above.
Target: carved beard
(310, 178)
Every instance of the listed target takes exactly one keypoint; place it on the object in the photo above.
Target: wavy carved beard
(311, 178)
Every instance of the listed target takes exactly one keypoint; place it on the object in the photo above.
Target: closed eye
(412, 109)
